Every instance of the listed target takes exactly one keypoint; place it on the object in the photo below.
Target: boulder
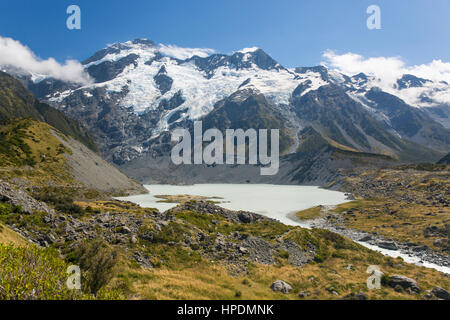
(441, 293)
(243, 250)
(390, 245)
(245, 217)
(304, 294)
(406, 283)
(357, 296)
(420, 248)
(366, 238)
(125, 229)
(280, 285)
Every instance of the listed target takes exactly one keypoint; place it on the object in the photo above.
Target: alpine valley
(69, 151)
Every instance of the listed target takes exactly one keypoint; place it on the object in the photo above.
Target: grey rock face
(163, 81)
(410, 81)
(108, 70)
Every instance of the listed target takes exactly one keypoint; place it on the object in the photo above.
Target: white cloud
(248, 50)
(389, 69)
(15, 54)
(386, 71)
(184, 53)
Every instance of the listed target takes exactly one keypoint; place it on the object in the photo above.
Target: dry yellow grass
(396, 220)
(211, 281)
(9, 236)
(311, 213)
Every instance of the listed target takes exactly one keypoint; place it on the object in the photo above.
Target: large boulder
(406, 283)
(441, 293)
(282, 286)
(357, 296)
(389, 245)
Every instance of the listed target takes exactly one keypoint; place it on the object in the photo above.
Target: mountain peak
(144, 41)
(254, 56)
(322, 70)
(411, 81)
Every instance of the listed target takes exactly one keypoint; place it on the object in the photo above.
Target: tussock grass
(311, 213)
(8, 236)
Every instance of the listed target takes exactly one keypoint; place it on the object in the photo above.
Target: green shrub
(284, 254)
(318, 258)
(97, 261)
(33, 273)
(62, 204)
(5, 209)
(385, 280)
(70, 208)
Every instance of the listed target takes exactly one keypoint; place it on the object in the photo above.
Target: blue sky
(294, 32)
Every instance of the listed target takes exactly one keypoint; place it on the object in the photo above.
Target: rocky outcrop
(17, 197)
(233, 216)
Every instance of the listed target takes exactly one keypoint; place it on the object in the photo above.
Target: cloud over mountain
(184, 53)
(387, 68)
(15, 54)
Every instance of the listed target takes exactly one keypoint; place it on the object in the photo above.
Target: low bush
(30, 273)
(98, 262)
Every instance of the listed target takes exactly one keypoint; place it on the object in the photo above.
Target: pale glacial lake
(274, 201)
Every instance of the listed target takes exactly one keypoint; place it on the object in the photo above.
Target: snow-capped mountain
(151, 78)
(140, 92)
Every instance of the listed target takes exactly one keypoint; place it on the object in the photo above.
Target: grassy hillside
(32, 273)
(200, 251)
(203, 269)
(38, 156)
(8, 236)
(29, 273)
(30, 151)
(18, 102)
(408, 204)
(15, 100)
